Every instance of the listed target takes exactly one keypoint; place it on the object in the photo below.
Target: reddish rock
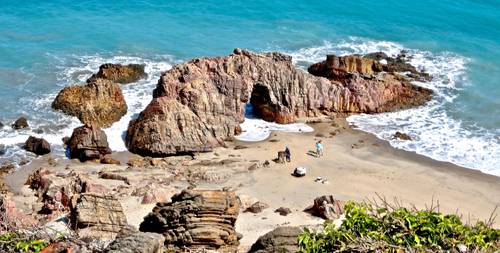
(99, 102)
(199, 104)
(327, 207)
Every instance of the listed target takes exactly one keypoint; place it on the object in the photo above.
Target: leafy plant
(18, 242)
(369, 227)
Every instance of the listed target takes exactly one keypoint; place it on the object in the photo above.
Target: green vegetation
(18, 242)
(369, 227)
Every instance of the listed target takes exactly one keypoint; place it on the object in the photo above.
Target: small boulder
(281, 239)
(327, 207)
(402, 136)
(2, 149)
(283, 211)
(20, 123)
(109, 160)
(257, 207)
(121, 73)
(137, 242)
(38, 146)
(1, 125)
(88, 142)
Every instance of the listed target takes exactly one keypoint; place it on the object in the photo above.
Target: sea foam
(435, 133)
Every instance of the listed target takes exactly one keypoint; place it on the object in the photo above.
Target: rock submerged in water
(121, 73)
(196, 220)
(20, 123)
(99, 102)
(88, 142)
(199, 104)
(38, 146)
(402, 136)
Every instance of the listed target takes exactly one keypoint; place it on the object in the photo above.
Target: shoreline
(358, 166)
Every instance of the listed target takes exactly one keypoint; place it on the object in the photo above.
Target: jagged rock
(137, 242)
(38, 146)
(281, 239)
(196, 220)
(88, 142)
(98, 216)
(402, 136)
(257, 207)
(121, 73)
(2, 149)
(283, 211)
(20, 123)
(399, 64)
(327, 207)
(99, 102)
(199, 104)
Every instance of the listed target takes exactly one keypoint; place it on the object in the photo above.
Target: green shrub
(18, 242)
(371, 228)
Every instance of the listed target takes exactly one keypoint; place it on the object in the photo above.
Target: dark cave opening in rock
(261, 105)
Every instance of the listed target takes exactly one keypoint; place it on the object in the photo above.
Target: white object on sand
(300, 172)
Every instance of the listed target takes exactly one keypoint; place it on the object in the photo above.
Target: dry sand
(357, 165)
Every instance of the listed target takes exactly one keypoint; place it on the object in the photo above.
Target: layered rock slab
(98, 102)
(196, 220)
(199, 104)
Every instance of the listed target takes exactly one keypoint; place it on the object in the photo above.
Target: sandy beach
(356, 166)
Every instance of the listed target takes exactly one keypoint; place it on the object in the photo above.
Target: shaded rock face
(20, 123)
(88, 142)
(98, 216)
(99, 102)
(199, 104)
(1, 125)
(38, 146)
(121, 73)
(281, 239)
(196, 220)
(137, 242)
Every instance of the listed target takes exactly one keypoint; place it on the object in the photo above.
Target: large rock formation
(282, 239)
(199, 104)
(99, 102)
(38, 146)
(196, 220)
(98, 216)
(121, 73)
(88, 142)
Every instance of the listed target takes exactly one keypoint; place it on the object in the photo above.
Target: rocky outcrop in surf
(20, 123)
(199, 104)
(99, 102)
(38, 146)
(196, 220)
(119, 73)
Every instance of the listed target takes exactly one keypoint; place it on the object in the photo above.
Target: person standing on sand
(319, 149)
(288, 155)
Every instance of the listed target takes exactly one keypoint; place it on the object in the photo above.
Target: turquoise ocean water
(46, 45)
